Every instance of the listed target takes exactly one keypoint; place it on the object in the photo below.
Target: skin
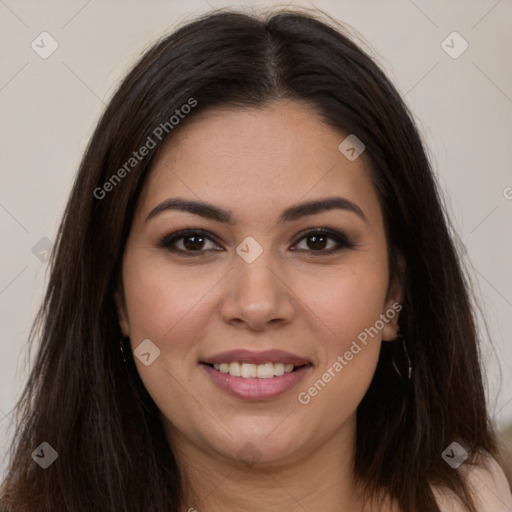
(256, 163)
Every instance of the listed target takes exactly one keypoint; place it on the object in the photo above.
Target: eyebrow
(216, 213)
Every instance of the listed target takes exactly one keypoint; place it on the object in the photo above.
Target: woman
(255, 301)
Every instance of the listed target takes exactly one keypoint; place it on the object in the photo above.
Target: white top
(491, 489)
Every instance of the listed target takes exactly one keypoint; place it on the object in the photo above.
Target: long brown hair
(94, 410)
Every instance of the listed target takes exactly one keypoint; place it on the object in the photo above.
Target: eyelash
(341, 239)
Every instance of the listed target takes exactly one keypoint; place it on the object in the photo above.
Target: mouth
(266, 370)
(256, 375)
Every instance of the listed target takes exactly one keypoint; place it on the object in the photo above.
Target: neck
(320, 478)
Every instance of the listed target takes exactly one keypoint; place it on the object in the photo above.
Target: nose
(257, 295)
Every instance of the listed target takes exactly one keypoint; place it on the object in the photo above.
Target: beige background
(50, 106)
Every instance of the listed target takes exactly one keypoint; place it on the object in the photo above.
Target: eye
(317, 241)
(187, 241)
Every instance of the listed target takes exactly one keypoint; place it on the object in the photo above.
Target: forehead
(258, 159)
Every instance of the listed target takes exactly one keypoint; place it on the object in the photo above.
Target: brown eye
(187, 241)
(193, 242)
(318, 241)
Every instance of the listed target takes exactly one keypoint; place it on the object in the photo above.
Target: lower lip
(254, 388)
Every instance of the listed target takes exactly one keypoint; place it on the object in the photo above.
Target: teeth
(279, 368)
(250, 371)
(265, 371)
(235, 369)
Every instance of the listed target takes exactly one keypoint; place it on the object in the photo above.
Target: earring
(122, 341)
(409, 366)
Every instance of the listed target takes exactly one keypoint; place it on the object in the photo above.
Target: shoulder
(489, 485)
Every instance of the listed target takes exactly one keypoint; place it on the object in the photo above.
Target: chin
(261, 449)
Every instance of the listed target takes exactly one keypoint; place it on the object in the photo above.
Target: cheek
(347, 364)
(164, 302)
(172, 307)
(350, 302)
(164, 305)
(333, 396)
(345, 300)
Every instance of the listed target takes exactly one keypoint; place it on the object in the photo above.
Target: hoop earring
(409, 365)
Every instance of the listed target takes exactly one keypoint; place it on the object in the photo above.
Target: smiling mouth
(251, 371)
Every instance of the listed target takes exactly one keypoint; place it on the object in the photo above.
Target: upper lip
(252, 357)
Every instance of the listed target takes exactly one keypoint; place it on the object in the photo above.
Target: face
(265, 317)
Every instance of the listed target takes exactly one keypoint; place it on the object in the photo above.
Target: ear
(121, 312)
(393, 304)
